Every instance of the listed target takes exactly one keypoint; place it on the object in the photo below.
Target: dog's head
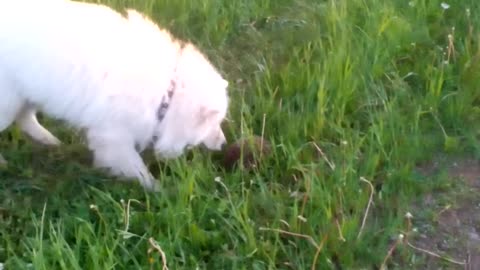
(197, 108)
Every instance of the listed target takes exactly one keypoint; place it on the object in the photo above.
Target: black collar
(166, 99)
(162, 109)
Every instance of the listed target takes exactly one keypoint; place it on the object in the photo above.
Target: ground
(372, 113)
(448, 222)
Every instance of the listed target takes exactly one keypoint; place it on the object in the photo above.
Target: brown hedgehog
(254, 148)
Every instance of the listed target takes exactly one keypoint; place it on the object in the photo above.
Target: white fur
(106, 74)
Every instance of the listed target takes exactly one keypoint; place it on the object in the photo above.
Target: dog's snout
(215, 140)
(223, 141)
(223, 146)
(219, 146)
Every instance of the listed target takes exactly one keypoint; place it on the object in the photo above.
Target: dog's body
(123, 80)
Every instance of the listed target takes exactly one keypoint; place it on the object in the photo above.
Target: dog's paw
(48, 140)
(52, 141)
(152, 185)
(156, 187)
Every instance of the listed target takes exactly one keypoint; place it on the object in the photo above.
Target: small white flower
(445, 5)
(408, 215)
(218, 179)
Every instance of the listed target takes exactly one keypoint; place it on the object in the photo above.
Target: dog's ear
(206, 115)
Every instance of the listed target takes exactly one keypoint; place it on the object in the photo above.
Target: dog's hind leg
(10, 105)
(28, 123)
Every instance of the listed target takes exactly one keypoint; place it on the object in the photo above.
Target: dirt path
(448, 221)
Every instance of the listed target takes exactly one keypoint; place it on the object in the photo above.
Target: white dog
(121, 79)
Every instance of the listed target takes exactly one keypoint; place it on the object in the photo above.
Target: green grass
(370, 82)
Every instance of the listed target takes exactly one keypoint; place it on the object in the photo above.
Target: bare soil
(448, 221)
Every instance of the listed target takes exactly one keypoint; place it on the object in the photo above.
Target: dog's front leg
(124, 162)
(121, 158)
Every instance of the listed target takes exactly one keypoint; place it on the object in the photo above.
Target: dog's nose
(223, 146)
